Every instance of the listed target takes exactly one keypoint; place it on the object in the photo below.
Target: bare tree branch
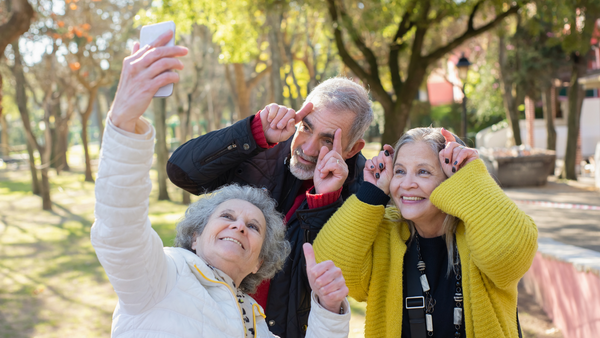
(469, 33)
(358, 41)
(254, 81)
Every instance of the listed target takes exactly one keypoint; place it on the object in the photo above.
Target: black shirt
(435, 256)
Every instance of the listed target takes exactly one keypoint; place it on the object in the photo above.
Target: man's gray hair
(341, 94)
(275, 248)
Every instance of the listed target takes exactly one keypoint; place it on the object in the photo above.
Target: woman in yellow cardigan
(445, 259)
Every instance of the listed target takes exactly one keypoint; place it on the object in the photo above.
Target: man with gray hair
(299, 172)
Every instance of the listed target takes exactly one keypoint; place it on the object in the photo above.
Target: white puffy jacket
(164, 292)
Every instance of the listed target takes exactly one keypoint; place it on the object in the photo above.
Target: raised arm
(128, 248)
(210, 161)
(501, 237)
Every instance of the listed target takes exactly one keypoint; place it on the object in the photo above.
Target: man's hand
(455, 156)
(278, 121)
(331, 170)
(379, 170)
(326, 281)
(144, 72)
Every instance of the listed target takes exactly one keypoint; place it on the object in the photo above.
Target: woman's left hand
(326, 281)
(455, 156)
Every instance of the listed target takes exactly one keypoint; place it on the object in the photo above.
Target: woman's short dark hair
(275, 248)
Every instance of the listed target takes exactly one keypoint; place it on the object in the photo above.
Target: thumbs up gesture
(326, 281)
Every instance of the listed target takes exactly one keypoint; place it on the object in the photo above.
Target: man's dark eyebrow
(307, 122)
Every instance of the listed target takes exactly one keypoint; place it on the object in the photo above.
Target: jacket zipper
(220, 152)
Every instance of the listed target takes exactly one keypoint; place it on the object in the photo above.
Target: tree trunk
(509, 96)
(36, 188)
(160, 148)
(575, 96)
(100, 121)
(243, 93)
(4, 147)
(45, 150)
(184, 126)
(63, 133)
(274, 17)
(21, 99)
(548, 105)
(45, 155)
(86, 150)
(93, 92)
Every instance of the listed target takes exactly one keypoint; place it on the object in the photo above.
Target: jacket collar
(210, 277)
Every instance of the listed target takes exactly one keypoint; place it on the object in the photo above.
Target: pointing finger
(309, 255)
(301, 114)
(448, 136)
(337, 141)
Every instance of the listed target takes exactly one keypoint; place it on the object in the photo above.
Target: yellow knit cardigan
(496, 241)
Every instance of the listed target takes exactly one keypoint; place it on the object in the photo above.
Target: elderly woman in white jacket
(227, 243)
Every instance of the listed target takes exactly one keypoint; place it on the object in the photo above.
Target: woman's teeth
(234, 241)
(412, 198)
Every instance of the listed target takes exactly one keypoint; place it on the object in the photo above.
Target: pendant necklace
(430, 302)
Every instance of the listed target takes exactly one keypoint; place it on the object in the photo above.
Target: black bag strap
(415, 302)
(519, 325)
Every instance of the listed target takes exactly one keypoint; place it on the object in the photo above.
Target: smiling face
(315, 131)
(417, 172)
(232, 239)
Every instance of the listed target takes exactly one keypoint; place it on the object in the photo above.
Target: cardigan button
(246, 146)
(271, 322)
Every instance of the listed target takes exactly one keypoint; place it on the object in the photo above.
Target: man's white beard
(300, 170)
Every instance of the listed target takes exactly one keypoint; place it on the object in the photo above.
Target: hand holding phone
(150, 33)
(144, 72)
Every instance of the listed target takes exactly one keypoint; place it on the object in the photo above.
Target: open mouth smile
(412, 198)
(229, 239)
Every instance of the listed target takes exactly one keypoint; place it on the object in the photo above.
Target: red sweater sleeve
(259, 134)
(321, 200)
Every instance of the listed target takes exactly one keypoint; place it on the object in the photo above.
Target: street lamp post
(463, 70)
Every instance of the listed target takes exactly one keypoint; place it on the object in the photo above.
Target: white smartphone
(150, 33)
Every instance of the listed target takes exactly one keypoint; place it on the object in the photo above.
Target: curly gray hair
(275, 248)
(340, 94)
(434, 138)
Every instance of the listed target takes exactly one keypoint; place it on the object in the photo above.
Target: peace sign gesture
(331, 170)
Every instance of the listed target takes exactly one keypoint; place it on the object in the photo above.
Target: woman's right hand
(143, 73)
(379, 170)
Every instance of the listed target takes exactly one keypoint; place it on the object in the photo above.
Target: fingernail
(387, 153)
(453, 169)
(455, 162)
(447, 161)
(377, 175)
(380, 165)
(372, 167)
